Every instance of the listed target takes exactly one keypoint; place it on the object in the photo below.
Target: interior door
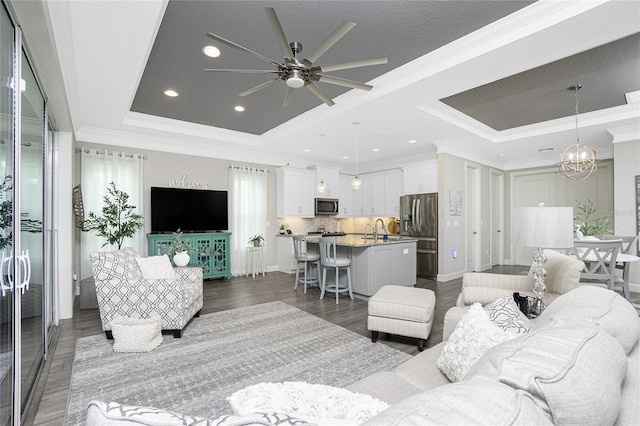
(473, 221)
(497, 218)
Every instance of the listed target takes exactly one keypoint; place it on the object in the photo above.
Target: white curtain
(248, 212)
(98, 169)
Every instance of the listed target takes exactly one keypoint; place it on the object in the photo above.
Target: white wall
(627, 166)
(65, 227)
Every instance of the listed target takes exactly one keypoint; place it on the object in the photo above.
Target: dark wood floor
(50, 399)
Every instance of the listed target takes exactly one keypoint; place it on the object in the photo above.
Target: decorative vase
(181, 258)
(256, 243)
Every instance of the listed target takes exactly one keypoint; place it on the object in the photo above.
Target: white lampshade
(546, 227)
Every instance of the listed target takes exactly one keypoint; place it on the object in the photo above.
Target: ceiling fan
(297, 73)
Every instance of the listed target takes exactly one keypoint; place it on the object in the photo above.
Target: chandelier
(578, 161)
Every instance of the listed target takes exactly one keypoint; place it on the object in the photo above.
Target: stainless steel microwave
(326, 206)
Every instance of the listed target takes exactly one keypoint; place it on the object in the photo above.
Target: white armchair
(121, 290)
(563, 275)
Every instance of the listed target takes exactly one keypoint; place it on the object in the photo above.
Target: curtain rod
(233, 166)
(104, 152)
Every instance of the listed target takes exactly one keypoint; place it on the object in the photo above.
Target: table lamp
(542, 227)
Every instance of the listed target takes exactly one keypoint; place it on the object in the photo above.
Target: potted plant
(587, 223)
(256, 240)
(118, 220)
(282, 228)
(179, 249)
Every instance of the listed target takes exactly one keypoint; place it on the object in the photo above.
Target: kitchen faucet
(375, 229)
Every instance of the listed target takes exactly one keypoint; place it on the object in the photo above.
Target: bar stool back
(303, 256)
(330, 259)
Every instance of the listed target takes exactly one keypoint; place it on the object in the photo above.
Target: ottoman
(405, 311)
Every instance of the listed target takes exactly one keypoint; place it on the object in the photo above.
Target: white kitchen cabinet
(295, 192)
(330, 177)
(346, 196)
(421, 178)
(393, 183)
(373, 191)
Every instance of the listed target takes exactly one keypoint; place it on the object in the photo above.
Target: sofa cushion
(610, 310)
(473, 336)
(115, 265)
(563, 272)
(386, 386)
(572, 368)
(476, 401)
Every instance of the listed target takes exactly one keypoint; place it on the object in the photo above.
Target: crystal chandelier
(578, 161)
(356, 182)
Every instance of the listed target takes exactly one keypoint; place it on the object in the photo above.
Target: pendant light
(322, 187)
(356, 182)
(578, 161)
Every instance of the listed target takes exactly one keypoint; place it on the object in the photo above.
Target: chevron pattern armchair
(121, 290)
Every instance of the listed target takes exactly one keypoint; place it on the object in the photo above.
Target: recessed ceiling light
(239, 108)
(211, 51)
(306, 150)
(412, 141)
(171, 93)
(345, 157)
(375, 149)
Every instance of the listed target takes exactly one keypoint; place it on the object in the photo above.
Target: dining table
(626, 260)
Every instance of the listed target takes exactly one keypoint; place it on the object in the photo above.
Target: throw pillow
(156, 268)
(473, 336)
(505, 314)
(307, 401)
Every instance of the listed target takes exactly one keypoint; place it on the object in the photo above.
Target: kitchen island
(375, 264)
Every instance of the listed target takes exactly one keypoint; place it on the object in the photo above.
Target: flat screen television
(191, 210)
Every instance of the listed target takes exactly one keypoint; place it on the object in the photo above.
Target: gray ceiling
(402, 30)
(606, 73)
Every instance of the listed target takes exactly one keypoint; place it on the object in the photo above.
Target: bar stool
(330, 259)
(303, 256)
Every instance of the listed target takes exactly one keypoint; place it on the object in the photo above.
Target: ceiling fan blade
(241, 71)
(344, 82)
(353, 64)
(324, 98)
(279, 32)
(244, 49)
(331, 40)
(259, 87)
(287, 98)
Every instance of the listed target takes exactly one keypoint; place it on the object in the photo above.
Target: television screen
(191, 210)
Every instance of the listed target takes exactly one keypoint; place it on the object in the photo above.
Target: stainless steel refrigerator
(419, 219)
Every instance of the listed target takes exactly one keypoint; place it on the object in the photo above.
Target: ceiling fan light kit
(298, 73)
(578, 161)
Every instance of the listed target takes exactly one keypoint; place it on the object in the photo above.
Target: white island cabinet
(375, 264)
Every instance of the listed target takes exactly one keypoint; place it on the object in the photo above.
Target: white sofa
(579, 364)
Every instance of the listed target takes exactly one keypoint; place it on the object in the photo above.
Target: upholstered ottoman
(405, 311)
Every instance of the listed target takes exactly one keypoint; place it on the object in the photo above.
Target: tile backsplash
(355, 225)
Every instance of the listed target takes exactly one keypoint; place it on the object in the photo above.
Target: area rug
(219, 354)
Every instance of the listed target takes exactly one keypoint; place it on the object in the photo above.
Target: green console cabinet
(212, 251)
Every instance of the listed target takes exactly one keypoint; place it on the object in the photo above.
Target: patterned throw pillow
(505, 314)
(473, 336)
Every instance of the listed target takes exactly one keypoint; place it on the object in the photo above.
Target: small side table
(255, 261)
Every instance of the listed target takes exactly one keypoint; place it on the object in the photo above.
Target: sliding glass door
(26, 308)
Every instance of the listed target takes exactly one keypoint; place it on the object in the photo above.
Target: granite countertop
(358, 240)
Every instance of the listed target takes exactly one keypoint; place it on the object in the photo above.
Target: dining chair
(329, 259)
(302, 255)
(599, 257)
(629, 247)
